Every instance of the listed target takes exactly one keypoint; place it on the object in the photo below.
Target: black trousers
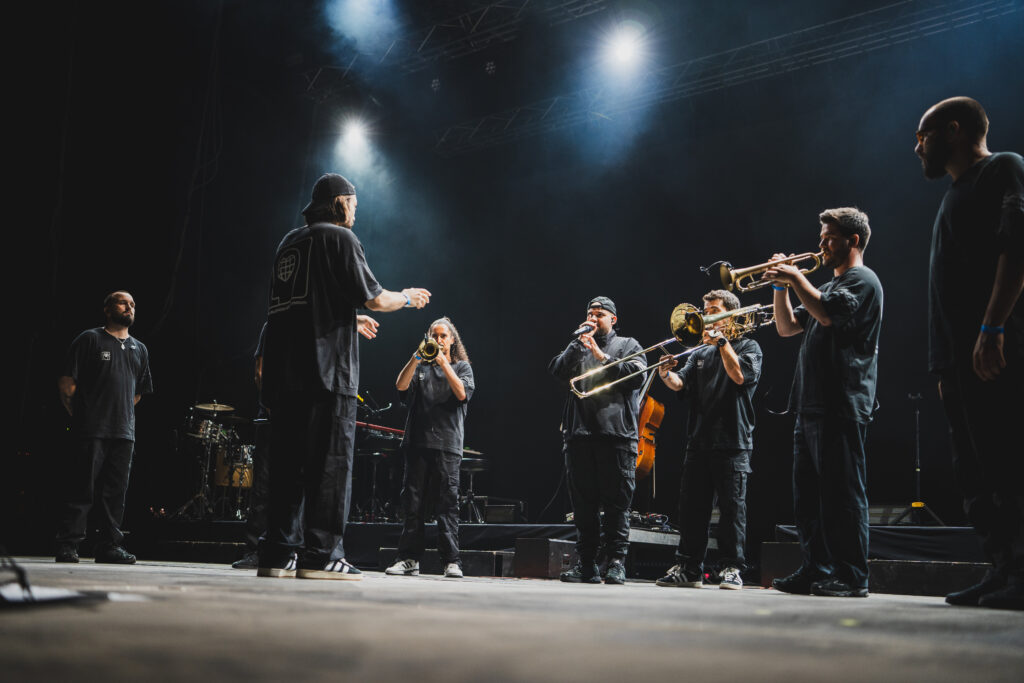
(830, 499)
(707, 474)
(602, 476)
(259, 495)
(431, 480)
(984, 424)
(96, 471)
(311, 453)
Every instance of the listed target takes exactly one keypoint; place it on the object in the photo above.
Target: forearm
(786, 323)
(387, 301)
(672, 381)
(564, 365)
(66, 390)
(405, 376)
(135, 401)
(810, 297)
(458, 388)
(731, 363)
(1006, 290)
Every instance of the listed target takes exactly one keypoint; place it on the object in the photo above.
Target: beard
(934, 163)
(125, 319)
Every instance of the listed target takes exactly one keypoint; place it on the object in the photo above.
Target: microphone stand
(912, 513)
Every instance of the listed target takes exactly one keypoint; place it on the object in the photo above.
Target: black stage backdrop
(173, 144)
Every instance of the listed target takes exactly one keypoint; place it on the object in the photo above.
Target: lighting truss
(487, 24)
(850, 36)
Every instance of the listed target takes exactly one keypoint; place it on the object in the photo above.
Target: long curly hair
(458, 349)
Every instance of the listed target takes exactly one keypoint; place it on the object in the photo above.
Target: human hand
(367, 326)
(988, 358)
(418, 297)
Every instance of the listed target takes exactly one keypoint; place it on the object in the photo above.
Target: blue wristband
(408, 301)
(778, 289)
(992, 329)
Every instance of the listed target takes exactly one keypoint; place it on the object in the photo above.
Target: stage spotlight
(489, 68)
(624, 47)
(435, 84)
(355, 132)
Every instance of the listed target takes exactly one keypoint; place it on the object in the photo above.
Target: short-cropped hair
(967, 112)
(729, 300)
(850, 221)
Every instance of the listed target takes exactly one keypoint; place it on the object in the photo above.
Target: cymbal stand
(201, 503)
(912, 513)
(473, 514)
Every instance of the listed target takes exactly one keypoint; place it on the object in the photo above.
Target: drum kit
(223, 463)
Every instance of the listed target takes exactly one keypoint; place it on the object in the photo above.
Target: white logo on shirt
(700, 362)
(104, 355)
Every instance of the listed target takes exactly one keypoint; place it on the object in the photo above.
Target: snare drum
(234, 466)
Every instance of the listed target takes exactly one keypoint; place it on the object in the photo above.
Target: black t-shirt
(721, 415)
(320, 278)
(436, 418)
(981, 217)
(108, 376)
(837, 369)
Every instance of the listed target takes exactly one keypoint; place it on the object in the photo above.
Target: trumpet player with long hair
(436, 385)
(833, 397)
(719, 379)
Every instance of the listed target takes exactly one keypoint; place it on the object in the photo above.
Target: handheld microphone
(583, 329)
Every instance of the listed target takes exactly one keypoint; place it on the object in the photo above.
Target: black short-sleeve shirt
(981, 217)
(436, 417)
(320, 278)
(108, 375)
(721, 412)
(837, 369)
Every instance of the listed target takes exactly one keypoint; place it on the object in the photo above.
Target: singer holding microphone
(600, 438)
(437, 394)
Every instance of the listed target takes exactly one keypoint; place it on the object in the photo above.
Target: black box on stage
(543, 558)
(501, 514)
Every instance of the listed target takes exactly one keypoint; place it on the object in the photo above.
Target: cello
(651, 412)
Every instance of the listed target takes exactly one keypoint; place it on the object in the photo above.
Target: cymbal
(215, 407)
(470, 451)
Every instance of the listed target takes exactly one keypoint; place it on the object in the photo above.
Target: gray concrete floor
(210, 622)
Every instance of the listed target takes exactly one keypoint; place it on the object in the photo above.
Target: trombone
(687, 325)
(733, 278)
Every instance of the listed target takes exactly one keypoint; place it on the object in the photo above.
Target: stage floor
(179, 621)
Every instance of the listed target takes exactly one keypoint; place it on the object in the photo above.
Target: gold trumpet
(732, 278)
(428, 350)
(687, 324)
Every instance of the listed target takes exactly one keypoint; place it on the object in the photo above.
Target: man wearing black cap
(310, 381)
(600, 440)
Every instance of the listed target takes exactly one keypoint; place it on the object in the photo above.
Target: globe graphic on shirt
(286, 267)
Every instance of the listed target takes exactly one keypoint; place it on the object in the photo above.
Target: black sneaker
(581, 572)
(1010, 597)
(993, 581)
(677, 577)
(799, 582)
(339, 570)
(66, 553)
(616, 573)
(837, 588)
(248, 561)
(114, 555)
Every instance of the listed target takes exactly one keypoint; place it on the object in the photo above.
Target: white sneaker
(285, 570)
(731, 579)
(452, 570)
(404, 568)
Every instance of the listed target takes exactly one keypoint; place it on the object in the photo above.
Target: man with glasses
(976, 333)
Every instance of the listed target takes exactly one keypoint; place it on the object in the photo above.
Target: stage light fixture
(624, 46)
(489, 68)
(435, 84)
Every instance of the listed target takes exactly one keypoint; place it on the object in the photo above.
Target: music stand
(470, 466)
(913, 511)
